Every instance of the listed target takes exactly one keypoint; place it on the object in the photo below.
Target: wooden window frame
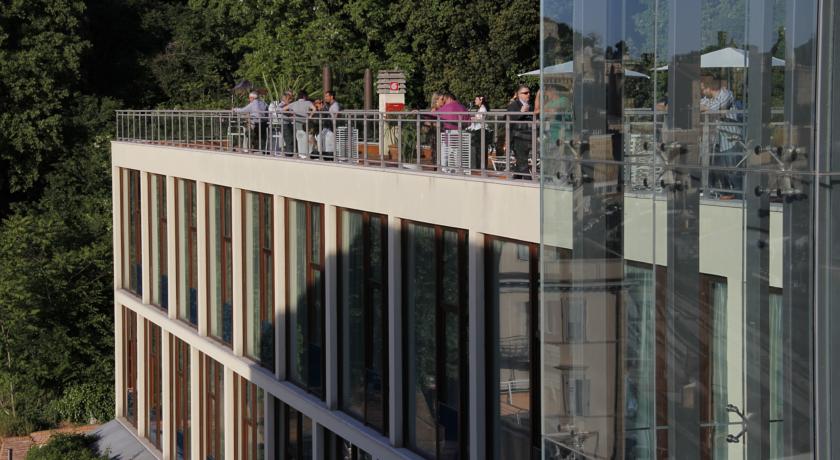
(180, 387)
(130, 363)
(191, 211)
(310, 270)
(367, 294)
(133, 213)
(211, 408)
(154, 382)
(225, 221)
(246, 427)
(266, 305)
(157, 196)
(535, 437)
(441, 309)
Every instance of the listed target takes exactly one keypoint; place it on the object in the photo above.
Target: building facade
(664, 290)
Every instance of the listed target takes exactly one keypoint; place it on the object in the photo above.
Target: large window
(250, 420)
(258, 247)
(180, 391)
(220, 263)
(132, 258)
(305, 272)
(513, 349)
(154, 384)
(129, 325)
(212, 386)
(293, 432)
(363, 275)
(435, 338)
(187, 248)
(158, 241)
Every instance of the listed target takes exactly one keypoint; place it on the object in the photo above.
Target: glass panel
(421, 351)
(158, 240)
(154, 384)
(220, 263)
(259, 279)
(353, 317)
(187, 251)
(132, 247)
(180, 413)
(509, 319)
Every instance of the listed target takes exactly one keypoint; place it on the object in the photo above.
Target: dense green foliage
(66, 447)
(66, 65)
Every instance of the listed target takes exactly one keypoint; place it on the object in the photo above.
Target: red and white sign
(394, 86)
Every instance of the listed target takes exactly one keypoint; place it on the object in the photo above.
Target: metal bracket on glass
(783, 156)
(576, 147)
(736, 438)
(668, 152)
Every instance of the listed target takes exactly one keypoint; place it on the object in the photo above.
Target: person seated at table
(256, 110)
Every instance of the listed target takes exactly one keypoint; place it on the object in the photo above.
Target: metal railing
(493, 144)
(490, 144)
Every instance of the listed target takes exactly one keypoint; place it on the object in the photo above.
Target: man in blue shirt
(257, 113)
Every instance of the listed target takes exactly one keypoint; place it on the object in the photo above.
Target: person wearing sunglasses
(520, 131)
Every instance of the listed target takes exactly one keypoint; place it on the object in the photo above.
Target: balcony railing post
(507, 147)
(535, 130)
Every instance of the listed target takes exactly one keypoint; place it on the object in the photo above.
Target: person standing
(326, 138)
(521, 130)
(477, 129)
(256, 110)
(725, 152)
(302, 108)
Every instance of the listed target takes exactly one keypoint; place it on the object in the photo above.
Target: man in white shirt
(302, 108)
(256, 110)
(326, 138)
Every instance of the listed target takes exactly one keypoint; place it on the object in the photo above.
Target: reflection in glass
(511, 270)
(132, 258)
(293, 432)
(187, 250)
(258, 216)
(363, 311)
(435, 340)
(220, 263)
(180, 391)
(212, 382)
(305, 268)
(154, 384)
(158, 241)
(129, 318)
(250, 419)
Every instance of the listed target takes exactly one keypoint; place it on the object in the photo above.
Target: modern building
(661, 287)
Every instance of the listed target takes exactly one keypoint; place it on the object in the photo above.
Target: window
(154, 384)
(130, 364)
(212, 386)
(338, 448)
(132, 258)
(435, 335)
(219, 263)
(187, 249)
(305, 295)
(158, 241)
(513, 364)
(180, 385)
(293, 432)
(250, 420)
(363, 306)
(258, 248)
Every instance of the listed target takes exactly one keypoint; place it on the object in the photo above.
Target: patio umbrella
(727, 58)
(568, 68)
(243, 86)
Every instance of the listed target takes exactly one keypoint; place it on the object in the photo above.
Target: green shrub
(14, 426)
(66, 447)
(81, 403)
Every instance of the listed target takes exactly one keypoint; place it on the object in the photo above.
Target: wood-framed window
(158, 255)
(513, 346)
(129, 323)
(186, 223)
(258, 276)
(180, 391)
(132, 257)
(250, 420)
(293, 432)
(363, 316)
(305, 292)
(220, 263)
(212, 387)
(436, 369)
(338, 448)
(154, 384)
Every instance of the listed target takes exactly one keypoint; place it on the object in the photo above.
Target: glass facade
(363, 294)
(187, 250)
(220, 263)
(132, 259)
(250, 420)
(154, 384)
(338, 448)
(435, 340)
(158, 241)
(180, 398)
(305, 295)
(680, 177)
(212, 383)
(293, 433)
(511, 269)
(258, 248)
